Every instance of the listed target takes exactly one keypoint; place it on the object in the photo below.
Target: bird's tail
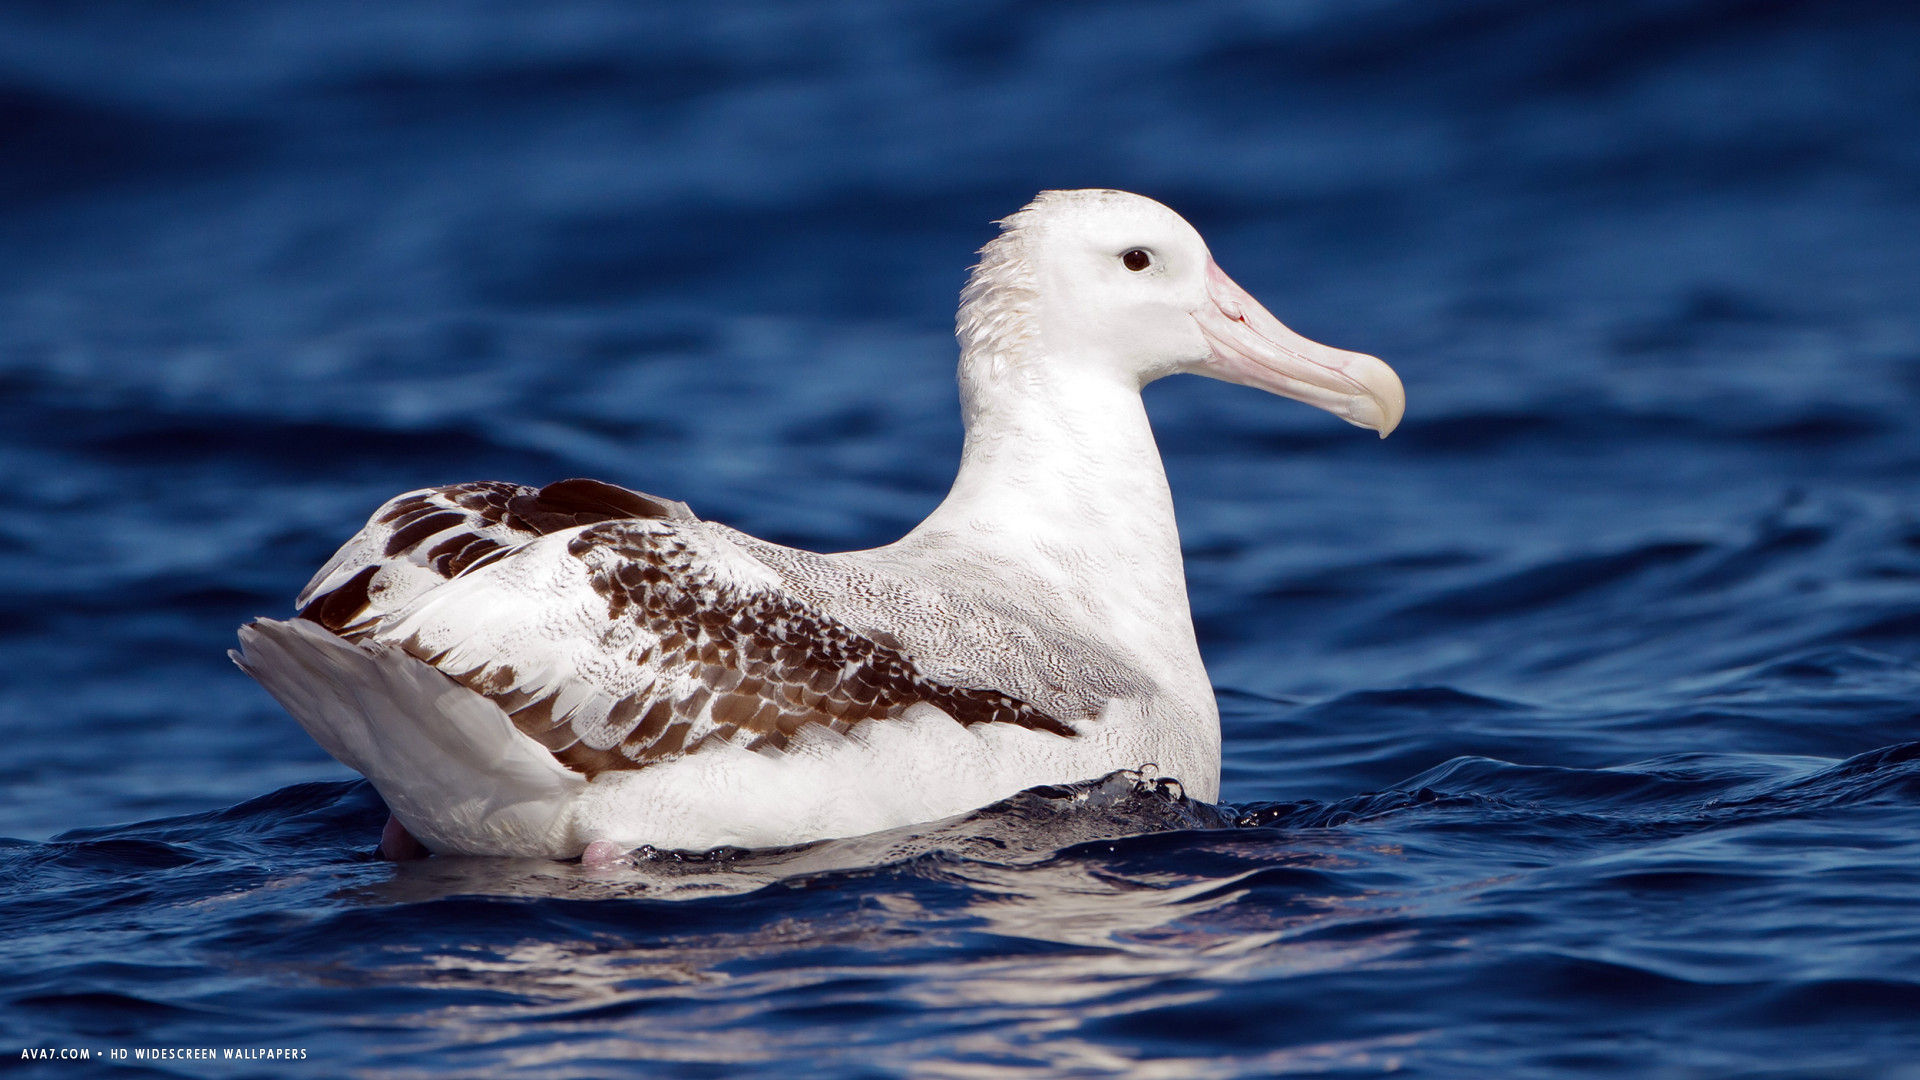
(451, 766)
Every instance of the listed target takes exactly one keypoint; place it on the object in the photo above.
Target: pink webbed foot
(601, 854)
(398, 845)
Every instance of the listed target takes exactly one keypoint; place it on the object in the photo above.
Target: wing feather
(420, 539)
(616, 629)
(625, 643)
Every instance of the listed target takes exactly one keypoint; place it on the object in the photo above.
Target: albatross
(581, 669)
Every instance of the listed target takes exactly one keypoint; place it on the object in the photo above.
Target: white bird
(583, 668)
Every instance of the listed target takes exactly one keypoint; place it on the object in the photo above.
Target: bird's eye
(1137, 260)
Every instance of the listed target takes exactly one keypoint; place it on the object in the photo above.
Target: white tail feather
(451, 765)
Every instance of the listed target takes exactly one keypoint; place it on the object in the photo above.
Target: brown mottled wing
(421, 539)
(630, 642)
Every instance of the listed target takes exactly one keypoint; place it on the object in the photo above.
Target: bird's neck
(1061, 482)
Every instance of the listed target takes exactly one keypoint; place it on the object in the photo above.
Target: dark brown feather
(335, 609)
(759, 666)
(766, 667)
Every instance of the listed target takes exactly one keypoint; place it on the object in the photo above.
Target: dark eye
(1137, 260)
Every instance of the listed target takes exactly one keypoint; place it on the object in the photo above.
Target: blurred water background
(1569, 732)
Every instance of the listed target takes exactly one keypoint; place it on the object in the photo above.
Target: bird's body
(525, 671)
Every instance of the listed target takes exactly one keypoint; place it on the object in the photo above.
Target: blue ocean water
(1572, 731)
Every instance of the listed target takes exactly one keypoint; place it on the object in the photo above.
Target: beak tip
(1391, 396)
(1391, 423)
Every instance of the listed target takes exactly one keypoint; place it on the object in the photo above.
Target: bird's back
(622, 638)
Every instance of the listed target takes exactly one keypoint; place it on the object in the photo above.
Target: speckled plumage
(680, 651)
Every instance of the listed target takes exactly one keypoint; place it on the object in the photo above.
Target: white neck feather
(1061, 483)
(1061, 497)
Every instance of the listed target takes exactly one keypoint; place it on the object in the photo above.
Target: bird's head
(1119, 286)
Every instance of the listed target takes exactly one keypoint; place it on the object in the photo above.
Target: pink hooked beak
(1252, 348)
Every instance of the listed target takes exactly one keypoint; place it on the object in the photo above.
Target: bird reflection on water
(1097, 926)
(1030, 918)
